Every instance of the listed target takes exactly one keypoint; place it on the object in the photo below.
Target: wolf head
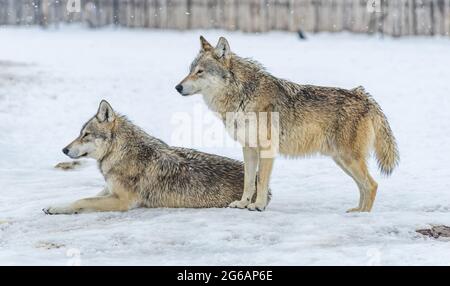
(96, 135)
(209, 71)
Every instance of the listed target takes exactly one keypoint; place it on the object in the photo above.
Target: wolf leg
(94, 204)
(357, 169)
(373, 187)
(344, 168)
(368, 185)
(250, 168)
(262, 188)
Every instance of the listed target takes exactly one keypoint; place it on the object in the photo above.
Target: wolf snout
(65, 151)
(179, 88)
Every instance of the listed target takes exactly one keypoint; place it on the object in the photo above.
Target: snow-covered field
(52, 81)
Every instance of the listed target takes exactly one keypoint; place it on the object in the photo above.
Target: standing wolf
(142, 171)
(343, 124)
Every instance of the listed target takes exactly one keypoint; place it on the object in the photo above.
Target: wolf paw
(357, 210)
(239, 204)
(256, 207)
(57, 210)
(47, 211)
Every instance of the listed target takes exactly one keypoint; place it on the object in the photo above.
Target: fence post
(397, 17)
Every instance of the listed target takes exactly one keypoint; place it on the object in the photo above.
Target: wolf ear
(206, 46)
(222, 49)
(105, 112)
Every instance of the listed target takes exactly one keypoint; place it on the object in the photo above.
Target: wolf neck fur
(244, 78)
(120, 146)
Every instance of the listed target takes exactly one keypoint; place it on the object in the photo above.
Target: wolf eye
(85, 135)
(199, 72)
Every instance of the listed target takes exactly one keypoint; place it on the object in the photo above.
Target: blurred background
(396, 17)
(58, 59)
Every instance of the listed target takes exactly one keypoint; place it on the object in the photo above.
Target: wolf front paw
(256, 206)
(358, 210)
(58, 210)
(242, 204)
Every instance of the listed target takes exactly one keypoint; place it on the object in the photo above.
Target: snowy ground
(51, 82)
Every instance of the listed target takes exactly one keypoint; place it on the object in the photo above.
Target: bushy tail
(386, 150)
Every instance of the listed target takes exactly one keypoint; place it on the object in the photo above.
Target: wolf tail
(386, 150)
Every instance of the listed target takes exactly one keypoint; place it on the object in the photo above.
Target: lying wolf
(340, 123)
(142, 171)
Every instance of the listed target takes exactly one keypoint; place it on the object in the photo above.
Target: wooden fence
(392, 17)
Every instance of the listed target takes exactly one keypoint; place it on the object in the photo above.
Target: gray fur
(344, 124)
(143, 171)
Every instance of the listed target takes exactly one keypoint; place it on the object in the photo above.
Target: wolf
(343, 124)
(143, 171)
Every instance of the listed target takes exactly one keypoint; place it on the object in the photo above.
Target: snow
(51, 82)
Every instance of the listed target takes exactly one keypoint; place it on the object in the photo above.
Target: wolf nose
(65, 151)
(179, 88)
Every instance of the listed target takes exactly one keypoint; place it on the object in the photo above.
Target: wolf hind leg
(357, 169)
(250, 168)
(361, 191)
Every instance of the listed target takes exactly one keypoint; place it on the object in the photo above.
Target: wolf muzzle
(179, 88)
